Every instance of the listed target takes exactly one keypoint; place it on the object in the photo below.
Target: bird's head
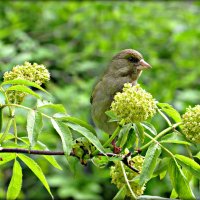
(131, 60)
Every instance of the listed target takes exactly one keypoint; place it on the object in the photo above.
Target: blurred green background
(76, 40)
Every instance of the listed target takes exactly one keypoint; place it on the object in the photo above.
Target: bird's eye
(132, 59)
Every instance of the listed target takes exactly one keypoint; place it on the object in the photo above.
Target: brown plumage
(126, 66)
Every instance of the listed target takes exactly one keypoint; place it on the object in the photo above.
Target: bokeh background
(76, 40)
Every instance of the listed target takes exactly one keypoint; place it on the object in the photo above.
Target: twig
(57, 153)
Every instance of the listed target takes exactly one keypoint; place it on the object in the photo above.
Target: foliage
(76, 40)
(138, 171)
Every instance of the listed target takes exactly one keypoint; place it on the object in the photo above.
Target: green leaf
(112, 115)
(149, 165)
(123, 135)
(24, 82)
(40, 146)
(34, 126)
(121, 194)
(131, 139)
(89, 135)
(35, 168)
(148, 126)
(100, 161)
(15, 184)
(162, 166)
(80, 122)
(179, 182)
(43, 104)
(170, 111)
(162, 174)
(1, 117)
(6, 157)
(189, 164)
(22, 88)
(52, 161)
(9, 136)
(49, 158)
(139, 130)
(65, 135)
(198, 155)
(173, 195)
(174, 137)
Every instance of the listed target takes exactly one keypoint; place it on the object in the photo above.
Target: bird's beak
(143, 65)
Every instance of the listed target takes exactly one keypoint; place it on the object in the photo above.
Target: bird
(125, 67)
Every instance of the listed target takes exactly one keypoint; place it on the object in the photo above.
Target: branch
(56, 153)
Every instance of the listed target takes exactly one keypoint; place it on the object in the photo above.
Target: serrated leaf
(79, 122)
(65, 134)
(175, 138)
(139, 130)
(121, 194)
(6, 157)
(162, 166)
(49, 105)
(149, 127)
(149, 165)
(41, 146)
(89, 135)
(123, 134)
(179, 182)
(192, 166)
(52, 161)
(49, 158)
(22, 88)
(35, 168)
(34, 126)
(24, 82)
(170, 111)
(15, 184)
(130, 140)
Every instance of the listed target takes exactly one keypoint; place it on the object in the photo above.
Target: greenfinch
(125, 67)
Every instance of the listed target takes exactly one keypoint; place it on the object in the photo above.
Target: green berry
(133, 104)
(118, 177)
(191, 124)
(31, 72)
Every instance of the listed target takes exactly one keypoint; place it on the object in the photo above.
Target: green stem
(160, 135)
(15, 129)
(26, 108)
(127, 181)
(107, 143)
(165, 117)
(6, 130)
(113, 136)
(6, 100)
(155, 141)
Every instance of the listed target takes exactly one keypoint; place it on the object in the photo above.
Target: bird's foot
(116, 149)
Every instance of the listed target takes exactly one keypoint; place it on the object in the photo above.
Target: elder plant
(139, 153)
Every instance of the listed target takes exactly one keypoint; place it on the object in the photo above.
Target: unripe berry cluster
(133, 104)
(31, 72)
(118, 177)
(191, 124)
